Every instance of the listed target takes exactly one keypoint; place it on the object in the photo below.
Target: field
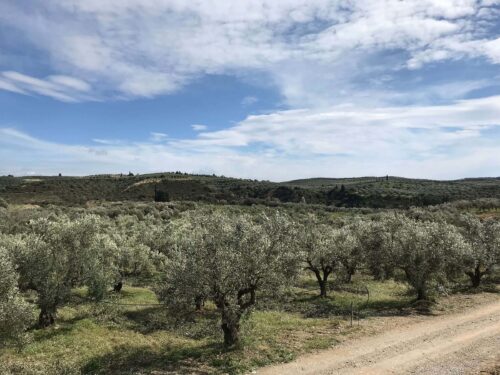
(334, 274)
(109, 338)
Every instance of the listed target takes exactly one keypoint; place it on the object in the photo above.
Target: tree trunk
(421, 293)
(322, 289)
(349, 274)
(199, 302)
(46, 318)
(322, 282)
(118, 286)
(475, 277)
(231, 334)
(231, 328)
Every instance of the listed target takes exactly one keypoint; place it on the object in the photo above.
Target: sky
(263, 89)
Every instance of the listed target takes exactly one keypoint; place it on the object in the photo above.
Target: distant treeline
(376, 192)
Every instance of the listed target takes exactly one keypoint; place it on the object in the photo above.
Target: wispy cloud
(60, 87)
(199, 127)
(107, 141)
(447, 141)
(158, 137)
(130, 48)
(249, 100)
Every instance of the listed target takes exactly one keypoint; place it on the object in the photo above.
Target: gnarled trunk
(322, 281)
(418, 283)
(46, 318)
(231, 334)
(322, 288)
(118, 286)
(199, 302)
(421, 293)
(231, 328)
(476, 276)
(349, 272)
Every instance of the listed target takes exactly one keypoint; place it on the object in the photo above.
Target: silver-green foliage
(483, 238)
(228, 259)
(15, 313)
(425, 251)
(316, 248)
(140, 245)
(59, 254)
(351, 243)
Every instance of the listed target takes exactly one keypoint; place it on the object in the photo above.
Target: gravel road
(461, 343)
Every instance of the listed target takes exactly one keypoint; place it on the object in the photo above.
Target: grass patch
(107, 338)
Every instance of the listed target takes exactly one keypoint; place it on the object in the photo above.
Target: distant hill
(376, 192)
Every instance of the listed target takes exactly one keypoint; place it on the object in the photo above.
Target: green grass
(124, 339)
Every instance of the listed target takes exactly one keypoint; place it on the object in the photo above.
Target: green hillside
(377, 192)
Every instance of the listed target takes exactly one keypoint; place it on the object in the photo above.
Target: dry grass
(116, 339)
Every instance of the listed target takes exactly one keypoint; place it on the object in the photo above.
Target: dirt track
(462, 343)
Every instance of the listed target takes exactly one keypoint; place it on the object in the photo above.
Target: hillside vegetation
(372, 192)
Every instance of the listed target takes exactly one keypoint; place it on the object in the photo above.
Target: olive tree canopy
(15, 313)
(425, 251)
(59, 254)
(228, 259)
(483, 238)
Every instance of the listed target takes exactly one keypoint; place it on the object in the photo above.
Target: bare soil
(464, 342)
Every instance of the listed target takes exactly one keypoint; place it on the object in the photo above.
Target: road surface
(461, 343)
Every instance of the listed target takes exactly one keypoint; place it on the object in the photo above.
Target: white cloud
(60, 87)
(107, 141)
(249, 100)
(447, 141)
(199, 127)
(132, 48)
(158, 137)
(70, 82)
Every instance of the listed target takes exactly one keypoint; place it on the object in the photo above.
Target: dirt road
(453, 344)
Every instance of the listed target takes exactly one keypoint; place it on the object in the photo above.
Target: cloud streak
(448, 141)
(60, 87)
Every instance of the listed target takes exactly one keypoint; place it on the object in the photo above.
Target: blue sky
(257, 89)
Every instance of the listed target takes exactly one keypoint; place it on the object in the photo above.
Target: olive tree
(228, 259)
(350, 243)
(15, 313)
(483, 238)
(426, 251)
(317, 250)
(375, 239)
(139, 247)
(61, 254)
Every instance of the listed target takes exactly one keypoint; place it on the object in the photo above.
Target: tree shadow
(199, 325)
(48, 333)
(311, 305)
(178, 360)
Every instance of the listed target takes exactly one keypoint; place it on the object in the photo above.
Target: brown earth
(467, 342)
